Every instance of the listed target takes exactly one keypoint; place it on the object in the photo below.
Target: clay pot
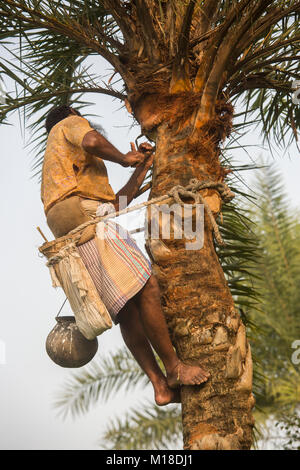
(67, 346)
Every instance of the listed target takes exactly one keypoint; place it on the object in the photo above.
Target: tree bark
(205, 327)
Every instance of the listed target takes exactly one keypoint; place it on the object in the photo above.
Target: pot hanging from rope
(67, 346)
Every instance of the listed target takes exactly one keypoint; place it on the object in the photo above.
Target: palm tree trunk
(204, 325)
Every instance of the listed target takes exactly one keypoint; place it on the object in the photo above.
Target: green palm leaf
(278, 281)
(100, 382)
(148, 427)
(54, 40)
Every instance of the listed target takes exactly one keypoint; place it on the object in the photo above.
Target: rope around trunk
(226, 194)
(176, 193)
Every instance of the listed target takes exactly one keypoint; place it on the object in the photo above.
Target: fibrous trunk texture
(205, 327)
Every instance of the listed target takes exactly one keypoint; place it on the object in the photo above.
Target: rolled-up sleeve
(75, 128)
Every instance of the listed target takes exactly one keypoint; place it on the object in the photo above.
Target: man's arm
(94, 143)
(133, 185)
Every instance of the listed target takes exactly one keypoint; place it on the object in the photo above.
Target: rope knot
(194, 184)
(178, 192)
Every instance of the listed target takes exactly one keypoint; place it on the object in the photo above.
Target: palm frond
(266, 70)
(100, 382)
(44, 64)
(56, 39)
(278, 282)
(241, 249)
(289, 424)
(148, 427)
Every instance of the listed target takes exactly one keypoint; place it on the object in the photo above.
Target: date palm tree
(180, 67)
(273, 327)
(145, 425)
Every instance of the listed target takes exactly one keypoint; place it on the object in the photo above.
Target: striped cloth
(116, 265)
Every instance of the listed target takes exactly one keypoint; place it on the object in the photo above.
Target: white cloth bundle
(70, 273)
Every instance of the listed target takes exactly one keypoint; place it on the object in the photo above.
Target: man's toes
(201, 376)
(202, 379)
(204, 373)
(198, 379)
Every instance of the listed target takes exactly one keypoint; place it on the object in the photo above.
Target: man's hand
(145, 147)
(148, 151)
(147, 163)
(133, 158)
(144, 155)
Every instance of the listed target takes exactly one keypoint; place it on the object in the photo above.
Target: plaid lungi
(115, 263)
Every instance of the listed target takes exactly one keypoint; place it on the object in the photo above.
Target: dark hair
(58, 114)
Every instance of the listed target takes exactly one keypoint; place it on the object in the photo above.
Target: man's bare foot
(164, 394)
(184, 374)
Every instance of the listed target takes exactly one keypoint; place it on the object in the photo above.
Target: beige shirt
(68, 169)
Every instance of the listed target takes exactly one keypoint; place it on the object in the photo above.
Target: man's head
(58, 114)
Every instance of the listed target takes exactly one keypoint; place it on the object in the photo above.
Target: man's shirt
(68, 169)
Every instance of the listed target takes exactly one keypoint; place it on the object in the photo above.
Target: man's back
(68, 169)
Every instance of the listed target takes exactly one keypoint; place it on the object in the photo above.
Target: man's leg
(148, 301)
(136, 341)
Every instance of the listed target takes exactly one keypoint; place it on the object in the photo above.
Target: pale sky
(29, 380)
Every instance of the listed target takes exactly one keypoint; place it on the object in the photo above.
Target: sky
(29, 304)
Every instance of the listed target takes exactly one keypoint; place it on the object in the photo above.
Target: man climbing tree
(183, 66)
(74, 183)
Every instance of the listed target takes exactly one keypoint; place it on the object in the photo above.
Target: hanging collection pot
(67, 346)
